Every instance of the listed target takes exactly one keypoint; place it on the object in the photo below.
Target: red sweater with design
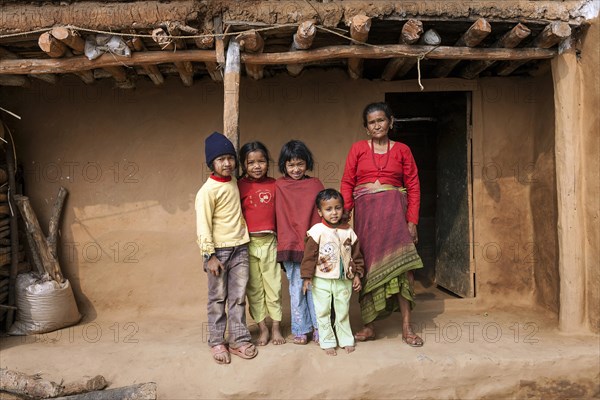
(258, 203)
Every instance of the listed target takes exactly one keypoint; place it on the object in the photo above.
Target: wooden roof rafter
(384, 46)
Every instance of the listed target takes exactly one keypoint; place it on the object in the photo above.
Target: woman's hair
(295, 149)
(381, 106)
(249, 148)
(328, 194)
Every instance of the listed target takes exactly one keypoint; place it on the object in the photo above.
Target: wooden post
(568, 150)
(252, 42)
(430, 38)
(185, 68)
(303, 39)
(411, 32)
(359, 31)
(152, 71)
(471, 38)
(552, 34)
(55, 219)
(231, 83)
(69, 37)
(510, 40)
(49, 262)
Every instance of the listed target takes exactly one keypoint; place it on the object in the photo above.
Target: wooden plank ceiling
(372, 47)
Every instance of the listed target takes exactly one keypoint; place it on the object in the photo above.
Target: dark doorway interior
(436, 128)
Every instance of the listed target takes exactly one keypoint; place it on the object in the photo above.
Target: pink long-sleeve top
(397, 168)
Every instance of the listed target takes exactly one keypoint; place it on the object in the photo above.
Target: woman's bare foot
(263, 339)
(276, 334)
(366, 333)
(349, 349)
(331, 352)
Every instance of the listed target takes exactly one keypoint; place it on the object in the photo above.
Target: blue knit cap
(217, 145)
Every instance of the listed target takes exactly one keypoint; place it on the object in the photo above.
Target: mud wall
(133, 161)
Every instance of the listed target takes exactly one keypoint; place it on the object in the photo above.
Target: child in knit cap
(223, 239)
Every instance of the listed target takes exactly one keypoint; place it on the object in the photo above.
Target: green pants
(341, 290)
(264, 285)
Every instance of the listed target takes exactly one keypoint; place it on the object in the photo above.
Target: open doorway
(436, 127)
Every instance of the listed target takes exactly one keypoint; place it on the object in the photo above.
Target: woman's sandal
(315, 336)
(300, 339)
(412, 340)
(364, 334)
(246, 351)
(218, 351)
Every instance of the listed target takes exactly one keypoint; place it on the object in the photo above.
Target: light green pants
(341, 290)
(264, 285)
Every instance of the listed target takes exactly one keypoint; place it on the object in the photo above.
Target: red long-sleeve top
(258, 203)
(397, 168)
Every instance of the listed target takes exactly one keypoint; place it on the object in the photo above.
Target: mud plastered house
(498, 101)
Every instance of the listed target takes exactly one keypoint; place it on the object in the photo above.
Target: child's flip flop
(220, 354)
(246, 351)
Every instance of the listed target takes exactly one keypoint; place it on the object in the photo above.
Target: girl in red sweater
(296, 213)
(257, 193)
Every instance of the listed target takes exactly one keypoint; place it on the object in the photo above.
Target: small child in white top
(334, 265)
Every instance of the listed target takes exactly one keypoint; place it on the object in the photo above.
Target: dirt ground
(469, 353)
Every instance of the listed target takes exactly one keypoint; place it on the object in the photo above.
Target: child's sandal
(300, 339)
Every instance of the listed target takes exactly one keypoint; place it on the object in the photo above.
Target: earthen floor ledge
(470, 353)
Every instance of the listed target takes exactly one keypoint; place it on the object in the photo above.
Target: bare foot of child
(263, 339)
(331, 352)
(276, 333)
(349, 349)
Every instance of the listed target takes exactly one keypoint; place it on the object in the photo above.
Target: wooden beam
(411, 32)
(69, 37)
(152, 71)
(120, 76)
(429, 38)
(9, 55)
(359, 31)
(14, 80)
(552, 34)
(303, 39)
(252, 42)
(116, 16)
(231, 83)
(185, 68)
(81, 63)
(471, 38)
(219, 40)
(510, 40)
(51, 46)
(56, 49)
(208, 42)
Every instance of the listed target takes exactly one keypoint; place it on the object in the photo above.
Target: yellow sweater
(219, 219)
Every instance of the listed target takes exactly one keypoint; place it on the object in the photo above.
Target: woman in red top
(381, 184)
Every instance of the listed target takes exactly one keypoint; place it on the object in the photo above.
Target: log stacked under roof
(175, 47)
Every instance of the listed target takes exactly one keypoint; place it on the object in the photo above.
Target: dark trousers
(227, 292)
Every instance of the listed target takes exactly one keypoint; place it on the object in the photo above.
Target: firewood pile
(17, 385)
